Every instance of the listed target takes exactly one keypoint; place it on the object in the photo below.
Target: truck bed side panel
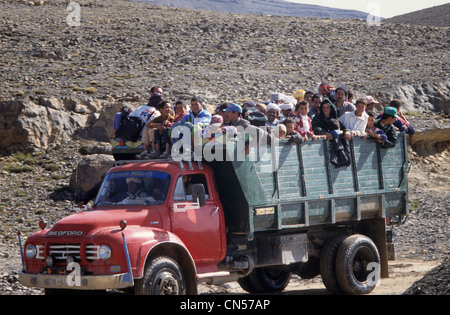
(296, 186)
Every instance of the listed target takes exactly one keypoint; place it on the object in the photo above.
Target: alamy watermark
(74, 17)
(73, 279)
(374, 276)
(374, 17)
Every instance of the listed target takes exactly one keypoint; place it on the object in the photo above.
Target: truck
(163, 226)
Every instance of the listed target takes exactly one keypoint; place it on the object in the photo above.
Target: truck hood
(90, 222)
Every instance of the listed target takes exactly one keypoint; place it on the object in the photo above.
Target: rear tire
(265, 280)
(247, 285)
(310, 269)
(354, 274)
(328, 265)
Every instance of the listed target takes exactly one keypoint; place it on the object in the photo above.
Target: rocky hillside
(435, 16)
(58, 80)
(122, 48)
(262, 7)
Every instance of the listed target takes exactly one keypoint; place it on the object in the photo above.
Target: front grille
(60, 252)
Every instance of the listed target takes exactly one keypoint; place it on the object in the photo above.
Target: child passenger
(303, 122)
(162, 126)
(290, 127)
(281, 131)
(370, 129)
(181, 109)
(291, 133)
(371, 120)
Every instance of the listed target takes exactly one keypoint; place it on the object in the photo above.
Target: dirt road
(403, 273)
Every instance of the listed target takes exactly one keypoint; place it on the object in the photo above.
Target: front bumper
(104, 282)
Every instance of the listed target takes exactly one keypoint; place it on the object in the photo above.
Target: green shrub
(413, 205)
(52, 167)
(17, 168)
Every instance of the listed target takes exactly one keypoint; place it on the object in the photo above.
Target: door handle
(215, 210)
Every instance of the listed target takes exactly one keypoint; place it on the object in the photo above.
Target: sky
(383, 8)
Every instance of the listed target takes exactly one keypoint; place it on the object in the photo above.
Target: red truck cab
(147, 216)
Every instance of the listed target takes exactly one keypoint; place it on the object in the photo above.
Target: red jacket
(300, 128)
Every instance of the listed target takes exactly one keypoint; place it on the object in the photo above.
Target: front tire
(163, 276)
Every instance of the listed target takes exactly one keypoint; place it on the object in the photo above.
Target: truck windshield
(133, 188)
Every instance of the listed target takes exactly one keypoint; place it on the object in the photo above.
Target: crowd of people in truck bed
(329, 113)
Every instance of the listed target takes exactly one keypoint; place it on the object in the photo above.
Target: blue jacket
(203, 117)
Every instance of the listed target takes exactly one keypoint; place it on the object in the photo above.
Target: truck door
(198, 227)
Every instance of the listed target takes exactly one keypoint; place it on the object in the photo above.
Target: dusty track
(403, 273)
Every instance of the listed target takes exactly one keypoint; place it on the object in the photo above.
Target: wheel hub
(167, 284)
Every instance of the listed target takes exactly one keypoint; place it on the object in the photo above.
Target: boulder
(427, 142)
(434, 97)
(89, 172)
(26, 125)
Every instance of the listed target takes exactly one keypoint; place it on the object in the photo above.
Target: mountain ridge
(435, 16)
(262, 7)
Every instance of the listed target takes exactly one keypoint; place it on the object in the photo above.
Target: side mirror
(198, 194)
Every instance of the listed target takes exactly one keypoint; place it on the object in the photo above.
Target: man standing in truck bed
(388, 136)
(233, 113)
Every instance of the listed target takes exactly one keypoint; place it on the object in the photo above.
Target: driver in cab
(135, 191)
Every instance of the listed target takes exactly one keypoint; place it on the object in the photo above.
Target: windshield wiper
(107, 197)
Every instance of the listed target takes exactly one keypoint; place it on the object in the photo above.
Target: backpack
(130, 128)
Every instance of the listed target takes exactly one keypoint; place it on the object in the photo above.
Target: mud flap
(390, 245)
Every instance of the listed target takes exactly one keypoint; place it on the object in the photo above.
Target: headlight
(104, 252)
(30, 251)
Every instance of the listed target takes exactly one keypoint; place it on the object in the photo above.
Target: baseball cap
(234, 108)
(370, 99)
(391, 111)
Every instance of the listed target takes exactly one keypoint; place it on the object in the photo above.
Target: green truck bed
(299, 188)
